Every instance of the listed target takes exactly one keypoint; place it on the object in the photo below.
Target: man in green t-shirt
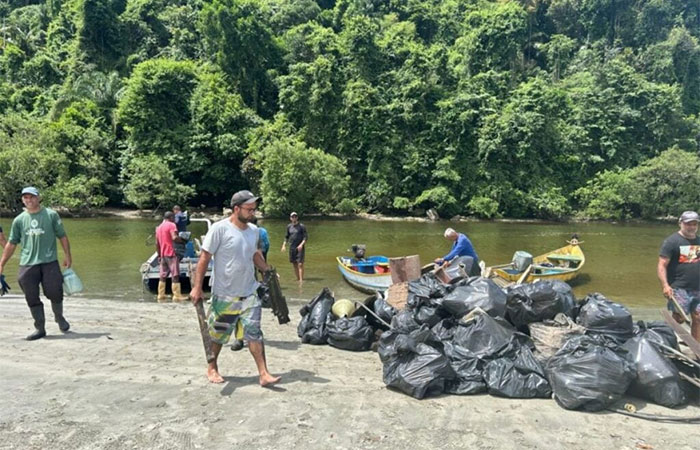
(36, 230)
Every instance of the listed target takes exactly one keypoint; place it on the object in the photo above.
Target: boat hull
(365, 282)
(562, 264)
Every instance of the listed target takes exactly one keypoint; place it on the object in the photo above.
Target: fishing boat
(367, 275)
(563, 264)
(150, 270)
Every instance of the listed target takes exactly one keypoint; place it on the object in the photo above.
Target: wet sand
(131, 375)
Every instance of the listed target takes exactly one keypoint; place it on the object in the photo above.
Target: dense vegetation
(528, 108)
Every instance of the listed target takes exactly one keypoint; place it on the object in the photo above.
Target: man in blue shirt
(462, 247)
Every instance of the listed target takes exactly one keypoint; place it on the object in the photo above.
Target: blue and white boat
(367, 275)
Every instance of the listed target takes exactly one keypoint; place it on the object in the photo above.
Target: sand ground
(130, 375)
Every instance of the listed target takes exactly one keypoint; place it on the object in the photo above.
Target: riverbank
(131, 375)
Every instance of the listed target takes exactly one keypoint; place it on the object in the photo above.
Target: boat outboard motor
(359, 251)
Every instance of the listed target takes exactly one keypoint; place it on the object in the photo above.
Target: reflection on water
(620, 259)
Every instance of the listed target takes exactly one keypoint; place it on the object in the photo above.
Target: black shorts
(296, 256)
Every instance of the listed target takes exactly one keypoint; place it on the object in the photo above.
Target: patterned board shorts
(689, 300)
(235, 314)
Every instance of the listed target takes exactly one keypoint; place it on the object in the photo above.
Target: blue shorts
(688, 300)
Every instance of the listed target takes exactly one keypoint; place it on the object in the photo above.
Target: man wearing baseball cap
(678, 270)
(235, 306)
(36, 230)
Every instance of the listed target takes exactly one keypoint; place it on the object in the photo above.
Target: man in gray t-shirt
(235, 306)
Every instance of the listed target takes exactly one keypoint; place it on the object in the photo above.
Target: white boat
(150, 270)
(367, 275)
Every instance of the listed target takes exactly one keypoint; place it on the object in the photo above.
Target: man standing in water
(235, 306)
(296, 236)
(37, 229)
(678, 270)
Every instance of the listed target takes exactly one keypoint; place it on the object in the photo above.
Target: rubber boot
(63, 324)
(161, 292)
(177, 293)
(39, 322)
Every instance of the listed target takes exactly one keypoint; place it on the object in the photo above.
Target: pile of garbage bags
(535, 340)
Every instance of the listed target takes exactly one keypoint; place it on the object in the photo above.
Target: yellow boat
(561, 264)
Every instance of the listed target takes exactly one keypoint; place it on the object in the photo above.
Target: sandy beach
(131, 375)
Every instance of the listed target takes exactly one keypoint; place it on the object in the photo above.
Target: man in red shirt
(166, 234)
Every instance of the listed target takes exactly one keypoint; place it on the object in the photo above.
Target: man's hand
(299, 247)
(283, 246)
(196, 295)
(668, 292)
(4, 287)
(67, 262)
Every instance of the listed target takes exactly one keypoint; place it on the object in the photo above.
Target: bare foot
(213, 375)
(268, 380)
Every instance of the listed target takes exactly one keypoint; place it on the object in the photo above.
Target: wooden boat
(150, 270)
(367, 275)
(561, 264)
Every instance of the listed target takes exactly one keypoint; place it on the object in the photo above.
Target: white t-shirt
(233, 250)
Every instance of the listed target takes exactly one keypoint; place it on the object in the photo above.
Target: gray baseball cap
(689, 216)
(30, 190)
(243, 197)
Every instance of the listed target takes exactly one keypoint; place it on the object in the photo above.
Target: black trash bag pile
(515, 373)
(384, 310)
(590, 373)
(566, 296)
(602, 316)
(312, 328)
(468, 294)
(532, 302)
(350, 333)
(657, 379)
(414, 362)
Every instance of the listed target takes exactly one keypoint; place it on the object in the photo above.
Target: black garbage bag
(424, 288)
(532, 302)
(312, 328)
(404, 322)
(515, 373)
(657, 331)
(384, 310)
(566, 296)
(468, 371)
(472, 293)
(419, 371)
(428, 315)
(352, 333)
(589, 372)
(602, 316)
(414, 362)
(483, 335)
(461, 266)
(657, 378)
(444, 330)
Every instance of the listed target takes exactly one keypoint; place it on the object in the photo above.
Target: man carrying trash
(36, 230)
(462, 246)
(678, 270)
(235, 305)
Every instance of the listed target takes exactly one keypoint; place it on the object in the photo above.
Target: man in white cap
(235, 306)
(36, 230)
(678, 270)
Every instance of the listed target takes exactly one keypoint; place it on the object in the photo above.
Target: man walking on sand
(235, 305)
(678, 270)
(37, 229)
(296, 236)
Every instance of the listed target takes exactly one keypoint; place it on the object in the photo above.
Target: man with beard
(678, 270)
(235, 306)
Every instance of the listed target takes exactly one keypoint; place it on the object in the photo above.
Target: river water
(620, 258)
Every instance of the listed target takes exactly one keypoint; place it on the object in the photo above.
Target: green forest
(545, 109)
